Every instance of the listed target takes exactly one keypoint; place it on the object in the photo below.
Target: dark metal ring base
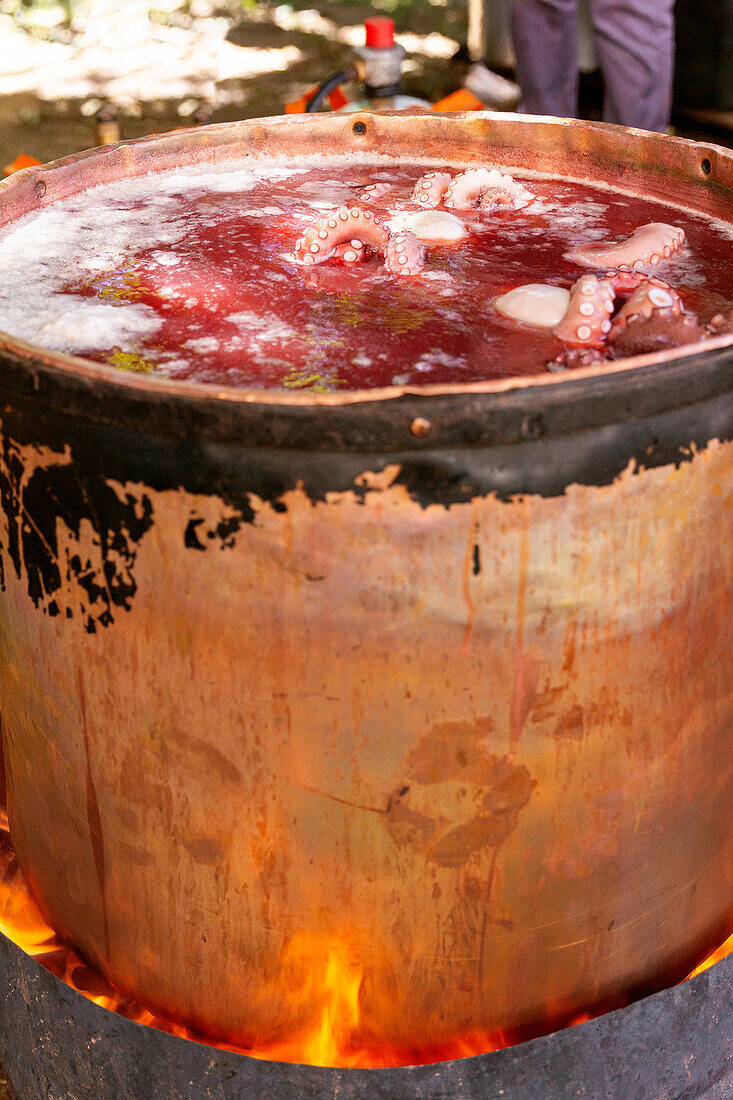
(57, 1045)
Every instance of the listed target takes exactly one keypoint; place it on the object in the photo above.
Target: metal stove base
(57, 1045)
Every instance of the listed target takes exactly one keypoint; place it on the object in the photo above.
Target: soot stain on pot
(197, 537)
(77, 474)
(43, 491)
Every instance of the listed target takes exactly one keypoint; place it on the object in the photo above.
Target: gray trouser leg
(545, 44)
(634, 40)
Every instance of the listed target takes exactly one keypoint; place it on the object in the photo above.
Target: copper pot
(438, 676)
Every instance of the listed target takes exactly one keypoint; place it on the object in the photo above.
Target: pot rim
(75, 372)
(89, 370)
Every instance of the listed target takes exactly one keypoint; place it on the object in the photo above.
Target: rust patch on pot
(461, 799)
(452, 750)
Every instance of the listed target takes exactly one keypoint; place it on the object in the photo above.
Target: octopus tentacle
(405, 254)
(660, 330)
(576, 358)
(320, 239)
(430, 188)
(587, 320)
(468, 189)
(650, 296)
(372, 192)
(649, 244)
(351, 252)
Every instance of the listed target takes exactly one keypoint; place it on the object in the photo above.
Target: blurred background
(168, 63)
(161, 64)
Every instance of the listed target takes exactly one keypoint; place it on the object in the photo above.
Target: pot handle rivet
(706, 167)
(532, 427)
(420, 427)
(41, 189)
(359, 128)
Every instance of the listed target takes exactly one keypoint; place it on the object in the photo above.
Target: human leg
(544, 33)
(634, 40)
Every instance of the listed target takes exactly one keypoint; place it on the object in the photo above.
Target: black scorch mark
(199, 536)
(87, 573)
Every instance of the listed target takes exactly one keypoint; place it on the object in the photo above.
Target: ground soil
(50, 128)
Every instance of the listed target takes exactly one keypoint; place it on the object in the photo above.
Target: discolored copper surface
(488, 746)
(473, 725)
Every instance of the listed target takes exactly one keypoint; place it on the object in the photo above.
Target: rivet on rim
(420, 427)
(532, 425)
(41, 188)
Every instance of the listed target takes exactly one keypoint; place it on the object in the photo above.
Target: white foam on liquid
(99, 232)
(166, 259)
(261, 327)
(204, 344)
(436, 357)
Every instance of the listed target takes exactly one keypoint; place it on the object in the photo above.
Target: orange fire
(330, 988)
(328, 991)
(722, 952)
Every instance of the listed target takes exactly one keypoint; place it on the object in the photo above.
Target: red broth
(199, 260)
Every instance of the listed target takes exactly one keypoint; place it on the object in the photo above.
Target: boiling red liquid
(234, 311)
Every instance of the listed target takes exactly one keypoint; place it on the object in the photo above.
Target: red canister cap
(379, 31)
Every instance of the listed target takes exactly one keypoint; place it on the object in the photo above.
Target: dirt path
(242, 68)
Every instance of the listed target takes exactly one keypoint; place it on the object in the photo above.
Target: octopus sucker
(650, 296)
(319, 241)
(624, 280)
(538, 304)
(372, 192)
(649, 244)
(468, 189)
(576, 359)
(587, 320)
(351, 252)
(405, 254)
(430, 188)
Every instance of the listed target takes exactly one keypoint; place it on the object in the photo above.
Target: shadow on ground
(234, 68)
